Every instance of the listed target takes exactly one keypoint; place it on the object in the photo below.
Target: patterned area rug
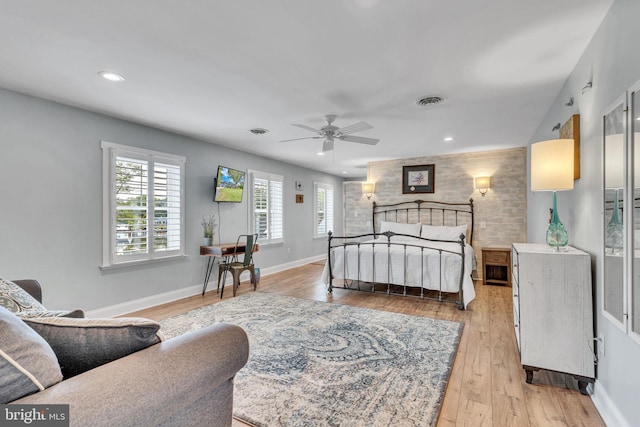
(319, 364)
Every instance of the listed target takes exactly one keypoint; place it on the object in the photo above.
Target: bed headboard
(426, 212)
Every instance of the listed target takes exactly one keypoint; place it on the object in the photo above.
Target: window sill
(141, 262)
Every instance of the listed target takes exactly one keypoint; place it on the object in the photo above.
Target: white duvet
(439, 271)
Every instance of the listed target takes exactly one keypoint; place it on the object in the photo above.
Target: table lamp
(552, 170)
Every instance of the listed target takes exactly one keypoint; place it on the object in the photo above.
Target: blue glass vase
(557, 236)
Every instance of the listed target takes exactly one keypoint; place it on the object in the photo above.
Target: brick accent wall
(502, 211)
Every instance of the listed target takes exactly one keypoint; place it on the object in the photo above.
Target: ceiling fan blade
(357, 127)
(307, 128)
(298, 139)
(360, 139)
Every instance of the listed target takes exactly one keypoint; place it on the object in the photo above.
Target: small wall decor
(418, 179)
(299, 198)
(298, 185)
(571, 130)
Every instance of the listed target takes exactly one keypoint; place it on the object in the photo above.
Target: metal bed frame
(422, 211)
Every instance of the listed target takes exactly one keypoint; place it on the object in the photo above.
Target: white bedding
(431, 275)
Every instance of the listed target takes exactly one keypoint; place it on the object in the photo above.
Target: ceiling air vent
(258, 131)
(428, 100)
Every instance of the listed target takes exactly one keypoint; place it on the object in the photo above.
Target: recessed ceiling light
(111, 76)
(320, 153)
(344, 172)
(448, 139)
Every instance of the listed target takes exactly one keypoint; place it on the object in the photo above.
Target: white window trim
(110, 151)
(251, 208)
(316, 187)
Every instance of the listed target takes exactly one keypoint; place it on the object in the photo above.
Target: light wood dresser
(553, 311)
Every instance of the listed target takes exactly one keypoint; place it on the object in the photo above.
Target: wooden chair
(235, 266)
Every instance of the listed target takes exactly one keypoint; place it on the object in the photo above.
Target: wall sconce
(483, 184)
(367, 189)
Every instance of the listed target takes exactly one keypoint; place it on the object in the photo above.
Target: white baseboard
(153, 300)
(607, 408)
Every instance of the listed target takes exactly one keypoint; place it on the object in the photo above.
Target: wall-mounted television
(229, 185)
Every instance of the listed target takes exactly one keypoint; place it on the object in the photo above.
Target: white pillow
(443, 232)
(400, 228)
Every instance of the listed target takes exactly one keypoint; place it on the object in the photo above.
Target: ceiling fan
(329, 133)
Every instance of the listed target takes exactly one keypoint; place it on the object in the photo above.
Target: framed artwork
(299, 198)
(298, 185)
(571, 130)
(418, 179)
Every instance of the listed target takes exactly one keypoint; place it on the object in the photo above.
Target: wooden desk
(223, 250)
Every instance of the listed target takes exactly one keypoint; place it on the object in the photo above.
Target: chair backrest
(249, 240)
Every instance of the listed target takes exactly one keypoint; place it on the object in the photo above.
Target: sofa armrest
(32, 286)
(187, 380)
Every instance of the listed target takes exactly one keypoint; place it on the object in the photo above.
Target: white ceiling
(215, 69)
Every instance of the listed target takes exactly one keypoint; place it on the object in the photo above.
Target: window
(143, 205)
(265, 209)
(322, 209)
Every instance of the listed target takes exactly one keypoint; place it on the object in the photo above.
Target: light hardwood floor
(487, 385)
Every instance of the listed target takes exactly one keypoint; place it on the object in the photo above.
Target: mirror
(614, 192)
(635, 134)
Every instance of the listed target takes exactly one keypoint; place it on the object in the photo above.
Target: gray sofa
(184, 381)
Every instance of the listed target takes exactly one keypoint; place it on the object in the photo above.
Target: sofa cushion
(20, 302)
(83, 344)
(27, 362)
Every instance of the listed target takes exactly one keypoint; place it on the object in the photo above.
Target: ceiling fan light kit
(329, 133)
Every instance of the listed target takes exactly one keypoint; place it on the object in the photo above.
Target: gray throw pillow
(16, 299)
(50, 313)
(27, 362)
(20, 302)
(83, 344)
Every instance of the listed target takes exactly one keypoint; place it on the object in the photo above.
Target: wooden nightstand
(496, 266)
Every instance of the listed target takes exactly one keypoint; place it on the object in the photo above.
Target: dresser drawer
(496, 257)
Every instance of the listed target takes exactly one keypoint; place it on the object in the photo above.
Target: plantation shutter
(167, 207)
(267, 206)
(132, 210)
(323, 212)
(144, 205)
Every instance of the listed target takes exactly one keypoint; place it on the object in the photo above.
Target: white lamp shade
(552, 165)
(483, 182)
(368, 187)
(614, 161)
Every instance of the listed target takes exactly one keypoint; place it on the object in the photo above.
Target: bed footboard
(398, 264)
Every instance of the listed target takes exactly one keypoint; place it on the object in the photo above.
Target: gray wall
(612, 62)
(51, 213)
